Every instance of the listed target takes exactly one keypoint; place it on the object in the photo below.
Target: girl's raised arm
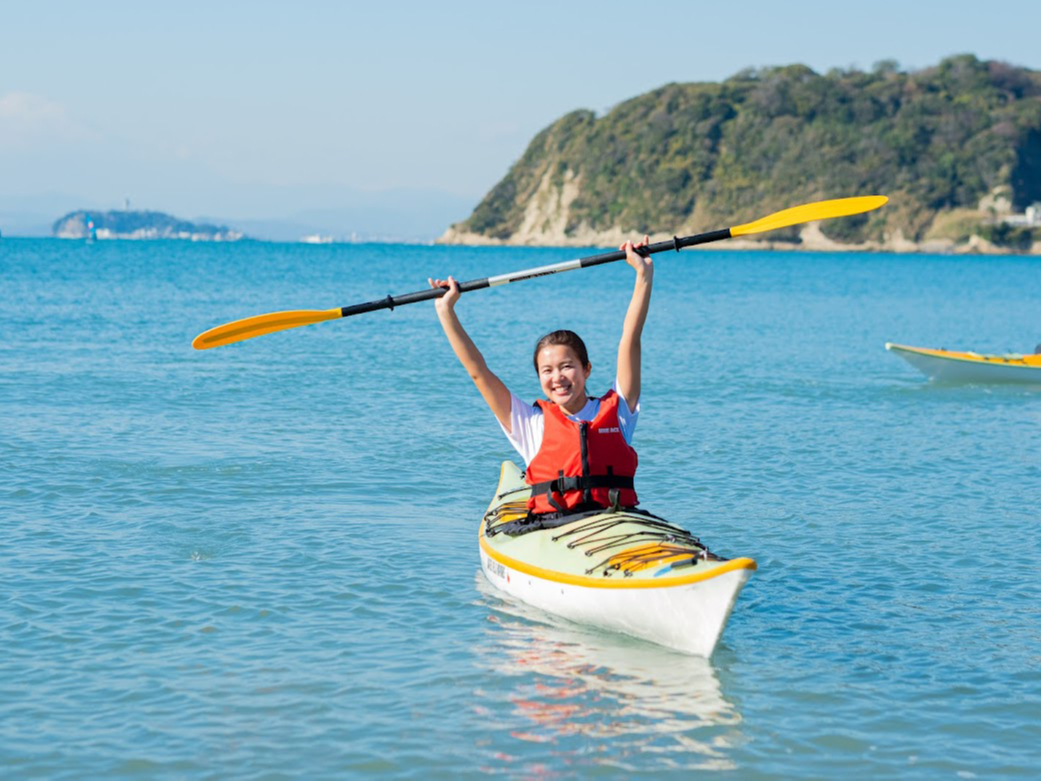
(629, 351)
(496, 394)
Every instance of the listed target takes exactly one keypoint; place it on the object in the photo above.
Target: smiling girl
(577, 448)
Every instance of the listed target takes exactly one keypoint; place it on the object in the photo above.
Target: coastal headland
(125, 224)
(956, 147)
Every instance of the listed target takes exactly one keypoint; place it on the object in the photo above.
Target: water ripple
(259, 562)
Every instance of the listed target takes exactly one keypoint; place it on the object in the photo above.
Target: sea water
(260, 561)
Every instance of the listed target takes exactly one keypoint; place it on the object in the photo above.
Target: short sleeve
(626, 417)
(527, 425)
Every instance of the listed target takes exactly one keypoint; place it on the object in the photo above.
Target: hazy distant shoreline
(737, 246)
(810, 239)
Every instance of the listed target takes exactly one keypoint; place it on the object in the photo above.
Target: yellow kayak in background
(970, 367)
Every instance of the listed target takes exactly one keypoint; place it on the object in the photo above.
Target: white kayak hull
(688, 618)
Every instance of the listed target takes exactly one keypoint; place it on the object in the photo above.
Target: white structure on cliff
(1030, 217)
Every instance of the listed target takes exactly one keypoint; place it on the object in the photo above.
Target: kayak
(952, 366)
(622, 570)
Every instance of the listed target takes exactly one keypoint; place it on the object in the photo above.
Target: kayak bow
(622, 570)
(969, 367)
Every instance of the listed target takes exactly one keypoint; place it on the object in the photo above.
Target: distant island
(137, 225)
(956, 147)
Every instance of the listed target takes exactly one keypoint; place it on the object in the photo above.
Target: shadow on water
(953, 391)
(576, 696)
(996, 388)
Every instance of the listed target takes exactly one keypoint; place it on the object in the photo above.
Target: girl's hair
(566, 339)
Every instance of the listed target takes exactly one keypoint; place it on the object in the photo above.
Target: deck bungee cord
(662, 543)
(656, 541)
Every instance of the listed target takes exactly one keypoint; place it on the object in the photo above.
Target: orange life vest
(581, 463)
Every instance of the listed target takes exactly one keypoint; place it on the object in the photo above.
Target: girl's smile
(563, 377)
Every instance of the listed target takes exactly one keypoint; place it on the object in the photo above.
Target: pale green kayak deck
(609, 549)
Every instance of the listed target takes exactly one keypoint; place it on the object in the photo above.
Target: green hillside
(690, 157)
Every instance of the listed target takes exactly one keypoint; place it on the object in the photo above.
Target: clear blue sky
(234, 108)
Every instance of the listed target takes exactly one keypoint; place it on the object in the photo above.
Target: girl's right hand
(445, 303)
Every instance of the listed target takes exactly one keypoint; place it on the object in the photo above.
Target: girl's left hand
(445, 303)
(642, 263)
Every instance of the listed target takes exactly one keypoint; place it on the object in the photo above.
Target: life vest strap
(540, 521)
(563, 485)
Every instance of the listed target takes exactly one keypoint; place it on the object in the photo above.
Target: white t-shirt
(527, 423)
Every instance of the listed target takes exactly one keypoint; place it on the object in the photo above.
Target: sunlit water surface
(260, 561)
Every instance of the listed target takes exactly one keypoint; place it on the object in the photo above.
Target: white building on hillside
(1030, 217)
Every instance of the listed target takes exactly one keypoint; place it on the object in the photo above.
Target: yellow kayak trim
(622, 582)
(1033, 361)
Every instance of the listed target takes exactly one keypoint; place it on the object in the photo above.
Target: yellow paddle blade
(809, 212)
(258, 325)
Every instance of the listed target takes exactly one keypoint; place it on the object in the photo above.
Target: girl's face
(563, 377)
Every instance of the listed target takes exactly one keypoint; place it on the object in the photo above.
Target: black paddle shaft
(675, 243)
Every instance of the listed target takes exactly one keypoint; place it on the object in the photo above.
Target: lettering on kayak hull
(494, 567)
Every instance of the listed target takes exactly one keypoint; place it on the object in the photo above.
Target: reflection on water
(591, 697)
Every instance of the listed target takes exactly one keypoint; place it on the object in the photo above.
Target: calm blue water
(260, 561)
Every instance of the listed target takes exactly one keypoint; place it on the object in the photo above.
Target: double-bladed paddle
(258, 325)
